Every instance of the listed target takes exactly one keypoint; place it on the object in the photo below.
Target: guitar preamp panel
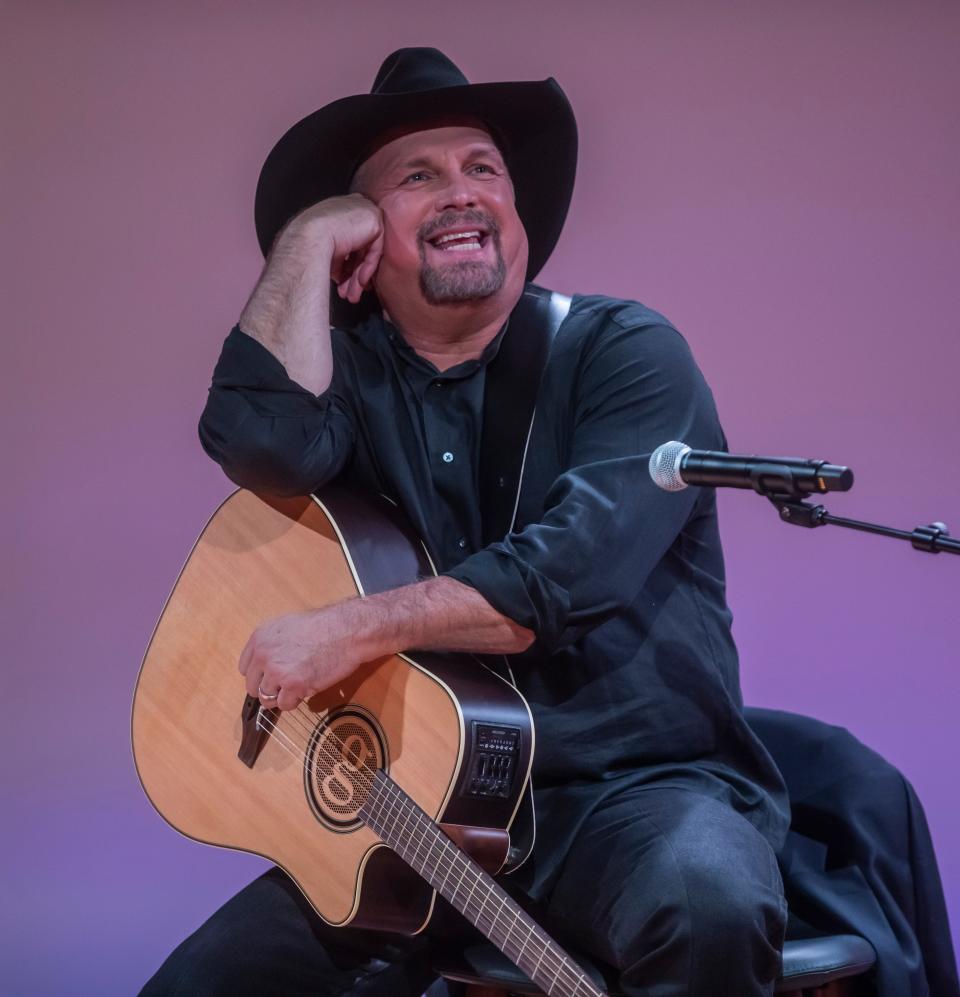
(496, 749)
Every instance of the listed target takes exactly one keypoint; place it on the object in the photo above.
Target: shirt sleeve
(268, 433)
(605, 524)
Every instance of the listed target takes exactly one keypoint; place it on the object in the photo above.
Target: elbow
(268, 473)
(256, 459)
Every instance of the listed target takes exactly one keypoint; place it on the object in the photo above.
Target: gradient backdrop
(780, 179)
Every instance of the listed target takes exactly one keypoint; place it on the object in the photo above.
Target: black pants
(675, 890)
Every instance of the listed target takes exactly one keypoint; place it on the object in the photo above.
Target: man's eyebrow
(481, 149)
(484, 149)
(409, 164)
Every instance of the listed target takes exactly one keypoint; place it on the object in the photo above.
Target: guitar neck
(411, 833)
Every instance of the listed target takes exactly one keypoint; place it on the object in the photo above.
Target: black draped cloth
(858, 858)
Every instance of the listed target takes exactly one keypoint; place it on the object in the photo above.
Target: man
(658, 811)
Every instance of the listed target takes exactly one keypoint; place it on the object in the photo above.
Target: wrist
(308, 240)
(361, 631)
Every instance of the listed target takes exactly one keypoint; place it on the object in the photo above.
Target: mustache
(452, 219)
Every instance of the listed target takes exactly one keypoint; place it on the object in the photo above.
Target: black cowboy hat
(532, 122)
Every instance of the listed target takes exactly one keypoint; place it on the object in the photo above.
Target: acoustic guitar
(374, 796)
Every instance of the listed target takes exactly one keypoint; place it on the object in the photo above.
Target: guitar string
(503, 918)
(564, 969)
(405, 804)
(402, 803)
(574, 976)
(494, 892)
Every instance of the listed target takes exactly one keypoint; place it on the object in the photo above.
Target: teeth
(462, 245)
(456, 235)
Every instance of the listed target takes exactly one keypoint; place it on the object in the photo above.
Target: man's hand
(291, 658)
(339, 239)
(353, 226)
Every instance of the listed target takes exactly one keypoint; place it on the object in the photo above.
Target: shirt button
(461, 543)
(447, 457)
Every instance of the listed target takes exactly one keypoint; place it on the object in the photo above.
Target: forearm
(437, 614)
(289, 658)
(289, 309)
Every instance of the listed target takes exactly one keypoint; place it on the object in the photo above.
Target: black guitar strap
(509, 405)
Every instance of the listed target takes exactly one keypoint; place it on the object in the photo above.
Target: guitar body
(441, 726)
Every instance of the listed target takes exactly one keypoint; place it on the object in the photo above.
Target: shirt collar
(388, 332)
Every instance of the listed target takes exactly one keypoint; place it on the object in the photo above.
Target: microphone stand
(777, 483)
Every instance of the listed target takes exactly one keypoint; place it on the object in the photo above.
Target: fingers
(254, 681)
(351, 289)
(246, 655)
(287, 700)
(282, 699)
(261, 686)
(269, 690)
(272, 695)
(273, 664)
(350, 286)
(267, 698)
(368, 267)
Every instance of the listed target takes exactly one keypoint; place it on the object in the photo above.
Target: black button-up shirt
(633, 677)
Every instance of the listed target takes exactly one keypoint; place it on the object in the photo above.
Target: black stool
(814, 967)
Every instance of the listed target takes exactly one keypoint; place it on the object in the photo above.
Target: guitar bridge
(494, 760)
(252, 736)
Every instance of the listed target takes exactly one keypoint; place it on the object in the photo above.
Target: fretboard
(411, 833)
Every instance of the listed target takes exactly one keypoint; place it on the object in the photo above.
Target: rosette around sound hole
(345, 751)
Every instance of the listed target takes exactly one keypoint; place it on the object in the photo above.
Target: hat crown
(411, 69)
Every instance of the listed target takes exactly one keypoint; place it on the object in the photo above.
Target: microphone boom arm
(933, 538)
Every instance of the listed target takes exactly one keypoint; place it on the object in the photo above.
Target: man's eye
(415, 177)
(482, 166)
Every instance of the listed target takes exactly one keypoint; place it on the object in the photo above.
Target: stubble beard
(463, 280)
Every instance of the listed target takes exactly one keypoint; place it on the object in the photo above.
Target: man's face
(451, 229)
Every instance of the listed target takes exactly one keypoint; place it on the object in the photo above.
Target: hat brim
(317, 157)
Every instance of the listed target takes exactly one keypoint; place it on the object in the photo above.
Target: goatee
(462, 280)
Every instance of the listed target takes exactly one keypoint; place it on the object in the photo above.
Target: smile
(463, 240)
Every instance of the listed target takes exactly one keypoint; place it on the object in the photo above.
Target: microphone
(674, 465)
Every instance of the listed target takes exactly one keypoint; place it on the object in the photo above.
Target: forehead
(418, 147)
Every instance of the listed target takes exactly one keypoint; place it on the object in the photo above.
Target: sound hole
(344, 752)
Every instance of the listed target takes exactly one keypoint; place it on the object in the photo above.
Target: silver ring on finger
(267, 695)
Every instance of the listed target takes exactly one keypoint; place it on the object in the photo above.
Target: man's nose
(456, 193)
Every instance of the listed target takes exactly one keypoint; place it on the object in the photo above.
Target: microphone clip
(798, 513)
(781, 481)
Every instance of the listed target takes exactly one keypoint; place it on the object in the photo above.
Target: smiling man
(416, 215)
(402, 179)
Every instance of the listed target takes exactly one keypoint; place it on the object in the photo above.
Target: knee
(729, 908)
(713, 921)
(736, 919)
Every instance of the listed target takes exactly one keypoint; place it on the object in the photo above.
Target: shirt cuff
(518, 591)
(246, 363)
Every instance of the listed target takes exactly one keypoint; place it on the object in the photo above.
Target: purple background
(779, 179)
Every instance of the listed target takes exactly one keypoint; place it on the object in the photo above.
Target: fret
(410, 832)
(536, 968)
(556, 975)
(524, 945)
(446, 875)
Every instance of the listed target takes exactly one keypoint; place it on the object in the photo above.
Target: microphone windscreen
(665, 465)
